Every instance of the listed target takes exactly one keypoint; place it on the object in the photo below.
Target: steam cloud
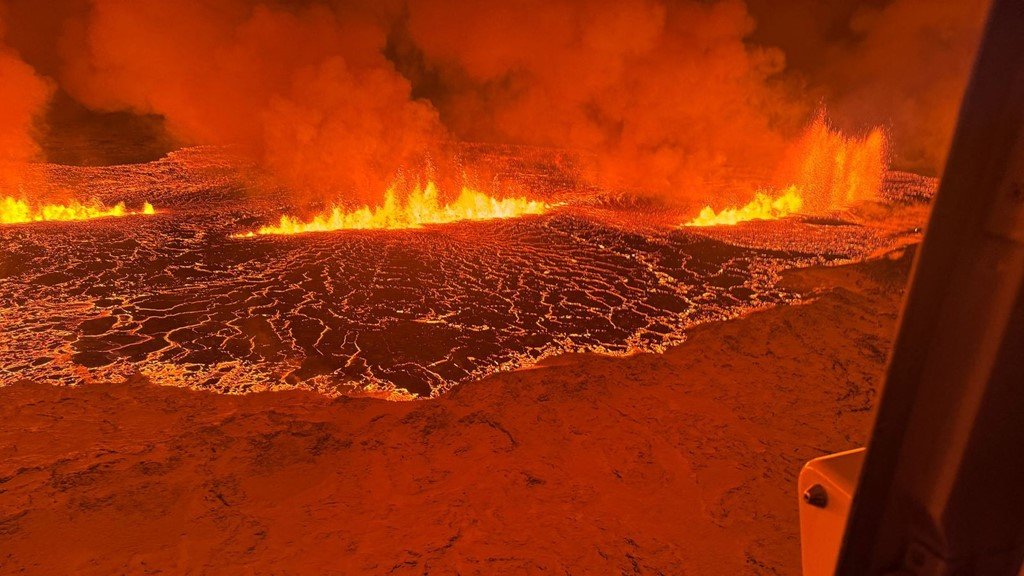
(334, 98)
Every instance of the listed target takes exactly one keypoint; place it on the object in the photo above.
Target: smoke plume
(23, 98)
(901, 64)
(305, 90)
(909, 72)
(668, 95)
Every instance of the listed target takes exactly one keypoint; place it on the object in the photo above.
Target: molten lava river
(189, 294)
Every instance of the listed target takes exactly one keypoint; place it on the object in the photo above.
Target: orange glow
(762, 207)
(421, 207)
(15, 211)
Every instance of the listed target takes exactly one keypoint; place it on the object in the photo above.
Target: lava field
(393, 313)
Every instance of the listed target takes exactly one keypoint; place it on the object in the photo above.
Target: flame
(15, 211)
(422, 206)
(763, 207)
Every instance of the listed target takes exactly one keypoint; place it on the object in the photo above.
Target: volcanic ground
(396, 313)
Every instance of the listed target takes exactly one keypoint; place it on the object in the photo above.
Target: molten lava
(422, 206)
(15, 211)
(762, 207)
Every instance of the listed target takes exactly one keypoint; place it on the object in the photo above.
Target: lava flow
(421, 207)
(15, 211)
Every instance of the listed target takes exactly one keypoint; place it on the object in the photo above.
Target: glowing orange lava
(422, 206)
(15, 211)
(762, 207)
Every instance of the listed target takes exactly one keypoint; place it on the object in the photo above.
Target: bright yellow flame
(763, 207)
(15, 211)
(421, 207)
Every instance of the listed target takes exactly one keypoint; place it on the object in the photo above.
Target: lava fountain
(762, 207)
(825, 171)
(17, 211)
(421, 207)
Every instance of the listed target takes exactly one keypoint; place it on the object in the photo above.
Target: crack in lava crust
(177, 299)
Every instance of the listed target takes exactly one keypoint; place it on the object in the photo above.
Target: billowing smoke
(678, 96)
(305, 90)
(909, 72)
(23, 98)
(667, 94)
(901, 64)
(335, 98)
